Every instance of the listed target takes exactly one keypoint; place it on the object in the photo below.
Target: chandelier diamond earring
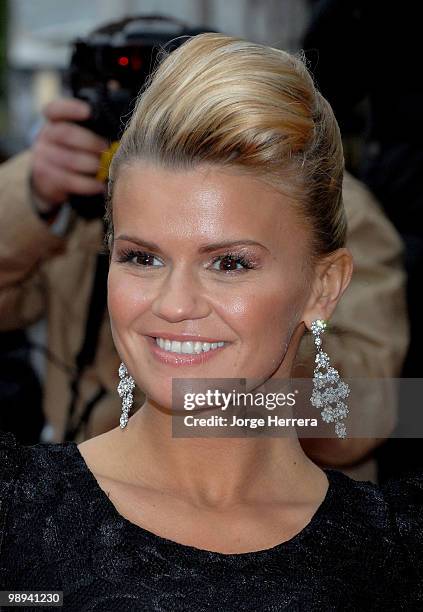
(328, 388)
(124, 389)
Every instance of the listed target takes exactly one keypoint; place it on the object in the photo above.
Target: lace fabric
(362, 550)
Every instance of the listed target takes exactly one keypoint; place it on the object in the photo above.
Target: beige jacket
(43, 275)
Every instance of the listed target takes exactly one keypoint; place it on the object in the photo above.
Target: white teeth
(175, 346)
(189, 347)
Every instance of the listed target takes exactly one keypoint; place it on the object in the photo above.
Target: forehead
(207, 202)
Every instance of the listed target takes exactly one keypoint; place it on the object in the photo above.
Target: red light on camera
(123, 60)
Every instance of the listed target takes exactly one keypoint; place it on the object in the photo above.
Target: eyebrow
(204, 249)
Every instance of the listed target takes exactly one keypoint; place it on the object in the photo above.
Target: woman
(226, 233)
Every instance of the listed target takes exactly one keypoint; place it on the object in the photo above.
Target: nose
(180, 296)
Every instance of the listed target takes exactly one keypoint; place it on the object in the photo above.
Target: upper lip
(183, 337)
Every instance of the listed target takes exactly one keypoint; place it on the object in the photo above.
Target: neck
(212, 471)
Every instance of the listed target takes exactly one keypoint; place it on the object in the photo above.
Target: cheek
(263, 318)
(262, 312)
(126, 297)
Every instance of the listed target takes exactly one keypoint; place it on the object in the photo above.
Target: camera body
(108, 68)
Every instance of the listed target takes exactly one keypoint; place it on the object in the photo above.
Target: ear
(332, 275)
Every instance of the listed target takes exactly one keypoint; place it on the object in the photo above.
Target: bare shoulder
(101, 455)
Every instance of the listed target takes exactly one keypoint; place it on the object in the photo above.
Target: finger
(74, 136)
(74, 160)
(78, 183)
(67, 109)
(55, 184)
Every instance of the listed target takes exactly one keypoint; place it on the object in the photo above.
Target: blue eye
(139, 258)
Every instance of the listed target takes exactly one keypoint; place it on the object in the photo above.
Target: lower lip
(182, 359)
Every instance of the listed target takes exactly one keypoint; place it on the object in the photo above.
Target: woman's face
(201, 257)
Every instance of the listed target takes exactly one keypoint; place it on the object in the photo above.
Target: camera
(107, 69)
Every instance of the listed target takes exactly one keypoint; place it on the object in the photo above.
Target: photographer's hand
(65, 156)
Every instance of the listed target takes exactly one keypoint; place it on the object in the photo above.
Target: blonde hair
(226, 101)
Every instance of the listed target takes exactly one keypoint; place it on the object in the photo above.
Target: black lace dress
(362, 550)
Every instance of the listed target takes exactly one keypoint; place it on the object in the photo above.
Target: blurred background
(36, 39)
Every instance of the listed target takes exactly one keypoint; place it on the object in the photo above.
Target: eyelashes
(127, 256)
(230, 260)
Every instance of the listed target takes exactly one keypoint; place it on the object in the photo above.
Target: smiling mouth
(187, 347)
